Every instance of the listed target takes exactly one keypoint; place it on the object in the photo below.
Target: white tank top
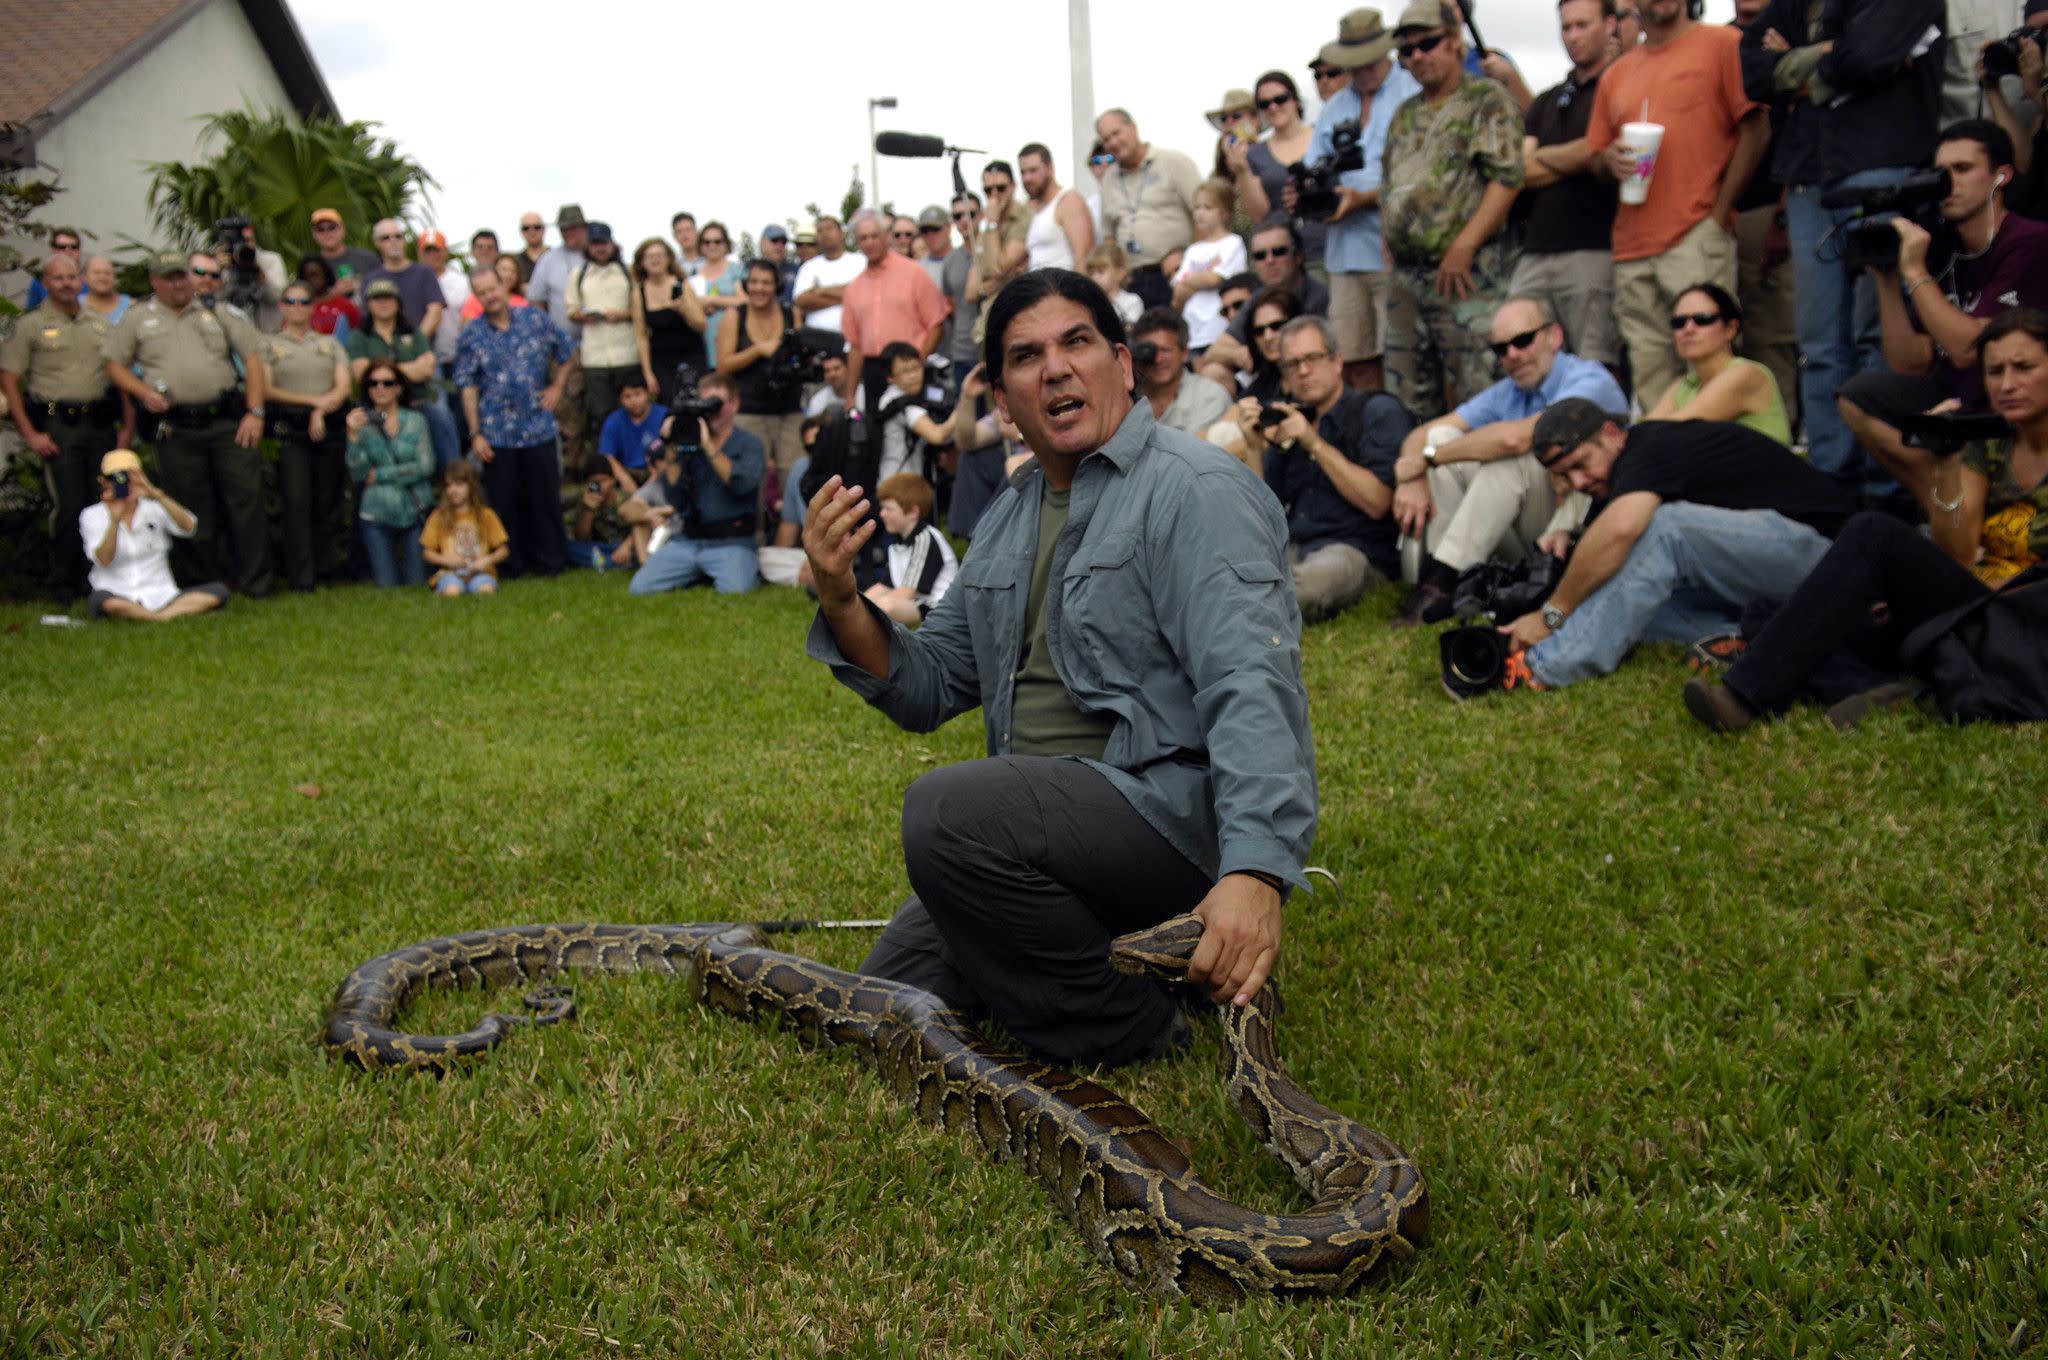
(1047, 241)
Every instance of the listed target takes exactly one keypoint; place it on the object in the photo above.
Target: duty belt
(226, 406)
(101, 412)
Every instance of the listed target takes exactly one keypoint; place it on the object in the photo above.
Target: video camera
(800, 359)
(686, 408)
(1871, 242)
(1315, 185)
(1948, 432)
(242, 283)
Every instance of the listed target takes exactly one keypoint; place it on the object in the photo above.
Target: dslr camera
(1315, 185)
(2002, 57)
(1474, 659)
(1870, 242)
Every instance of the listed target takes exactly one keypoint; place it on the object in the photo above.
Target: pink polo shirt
(895, 300)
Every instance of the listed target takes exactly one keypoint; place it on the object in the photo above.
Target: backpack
(1987, 661)
(843, 449)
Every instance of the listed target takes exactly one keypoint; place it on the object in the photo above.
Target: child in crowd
(1109, 267)
(921, 563)
(631, 432)
(464, 537)
(1216, 253)
(905, 422)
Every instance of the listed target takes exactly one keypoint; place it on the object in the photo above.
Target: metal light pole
(874, 163)
(1081, 85)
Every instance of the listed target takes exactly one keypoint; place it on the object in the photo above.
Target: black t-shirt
(1575, 213)
(1367, 427)
(1715, 462)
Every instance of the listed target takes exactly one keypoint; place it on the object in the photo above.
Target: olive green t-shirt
(1045, 721)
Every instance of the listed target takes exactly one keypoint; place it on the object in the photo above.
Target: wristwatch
(1553, 617)
(1429, 454)
(256, 411)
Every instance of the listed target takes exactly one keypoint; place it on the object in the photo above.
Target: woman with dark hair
(333, 314)
(1882, 579)
(386, 334)
(1262, 191)
(771, 403)
(1718, 384)
(667, 317)
(1271, 310)
(391, 456)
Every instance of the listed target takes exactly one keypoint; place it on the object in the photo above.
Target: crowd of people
(1669, 333)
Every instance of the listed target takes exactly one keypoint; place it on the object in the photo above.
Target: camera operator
(771, 391)
(1353, 252)
(1931, 317)
(2016, 60)
(593, 513)
(251, 278)
(128, 535)
(1329, 460)
(707, 488)
(1180, 400)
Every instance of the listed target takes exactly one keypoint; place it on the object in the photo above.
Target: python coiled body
(1125, 1185)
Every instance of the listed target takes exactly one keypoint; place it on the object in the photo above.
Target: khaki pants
(1644, 291)
(783, 436)
(1769, 332)
(1358, 309)
(1579, 286)
(1331, 579)
(1484, 510)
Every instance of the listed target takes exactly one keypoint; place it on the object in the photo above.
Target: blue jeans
(1691, 574)
(1836, 317)
(394, 554)
(441, 429)
(729, 564)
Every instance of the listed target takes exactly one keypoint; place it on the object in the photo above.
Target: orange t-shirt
(1693, 85)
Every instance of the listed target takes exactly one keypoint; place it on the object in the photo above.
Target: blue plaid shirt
(509, 368)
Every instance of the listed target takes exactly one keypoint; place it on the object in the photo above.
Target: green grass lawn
(1706, 1046)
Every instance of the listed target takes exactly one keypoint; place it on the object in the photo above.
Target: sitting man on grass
(1484, 494)
(1330, 464)
(1694, 520)
(705, 488)
(921, 561)
(128, 548)
(591, 512)
(1180, 400)
(631, 433)
(1126, 627)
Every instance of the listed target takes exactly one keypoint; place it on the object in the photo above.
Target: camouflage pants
(1436, 347)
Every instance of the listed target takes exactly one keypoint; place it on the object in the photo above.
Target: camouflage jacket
(1438, 163)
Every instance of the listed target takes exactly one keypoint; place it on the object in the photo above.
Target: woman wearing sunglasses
(1278, 104)
(1719, 385)
(306, 378)
(717, 283)
(391, 456)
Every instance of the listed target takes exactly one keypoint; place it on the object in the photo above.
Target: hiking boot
(1717, 706)
(1857, 707)
(1427, 603)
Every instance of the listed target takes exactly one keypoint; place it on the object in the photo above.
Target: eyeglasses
(205, 273)
(298, 302)
(1304, 361)
(1276, 101)
(1102, 158)
(1273, 253)
(383, 382)
(1423, 45)
(327, 226)
(1260, 332)
(1700, 319)
(1500, 348)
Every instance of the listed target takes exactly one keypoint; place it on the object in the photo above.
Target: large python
(1129, 1189)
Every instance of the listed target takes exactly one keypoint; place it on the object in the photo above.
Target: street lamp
(874, 165)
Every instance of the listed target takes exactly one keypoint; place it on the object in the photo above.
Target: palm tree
(275, 170)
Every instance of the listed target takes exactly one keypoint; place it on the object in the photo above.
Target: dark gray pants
(1025, 867)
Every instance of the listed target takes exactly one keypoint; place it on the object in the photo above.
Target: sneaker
(1857, 707)
(1427, 603)
(1710, 654)
(1717, 706)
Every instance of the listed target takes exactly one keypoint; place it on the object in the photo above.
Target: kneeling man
(1127, 627)
(1693, 520)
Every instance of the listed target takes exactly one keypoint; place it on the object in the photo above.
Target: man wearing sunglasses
(1453, 168)
(1148, 205)
(1566, 210)
(948, 269)
(1484, 494)
(1693, 521)
(419, 285)
(349, 264)
(1276, 258)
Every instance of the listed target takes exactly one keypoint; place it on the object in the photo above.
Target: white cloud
(635, 109)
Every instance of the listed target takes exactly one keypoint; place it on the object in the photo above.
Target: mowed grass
(1705, 1046)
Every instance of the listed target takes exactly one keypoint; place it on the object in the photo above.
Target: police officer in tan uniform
(206, 434)
(306, 375)
(57, 393)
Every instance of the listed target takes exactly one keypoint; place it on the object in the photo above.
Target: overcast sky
(638, 108)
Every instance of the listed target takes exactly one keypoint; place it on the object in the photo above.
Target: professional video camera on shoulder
(243, 281)
(1315, 183)
(686, 409)
(1870, 241)
(800, 359)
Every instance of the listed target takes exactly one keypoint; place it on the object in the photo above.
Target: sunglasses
(205, 273)
(1267, 329)
(712, 241)
(383, 382)
(932, 230)
(1273, 253)
(903, 236)
(1276, 101)
(1233, 308)
(298, 302)
(533, 226)
(963, 217)
(1324, 72)
(327, 226)
(1500, 348)
(1103, 159)
(1700, 319)
(1423, 45)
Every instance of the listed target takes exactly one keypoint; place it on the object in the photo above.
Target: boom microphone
(909, 144)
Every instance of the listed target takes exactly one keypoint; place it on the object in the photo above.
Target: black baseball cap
(1568, 424)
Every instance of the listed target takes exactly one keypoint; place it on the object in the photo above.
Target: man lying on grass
(1127, 626)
